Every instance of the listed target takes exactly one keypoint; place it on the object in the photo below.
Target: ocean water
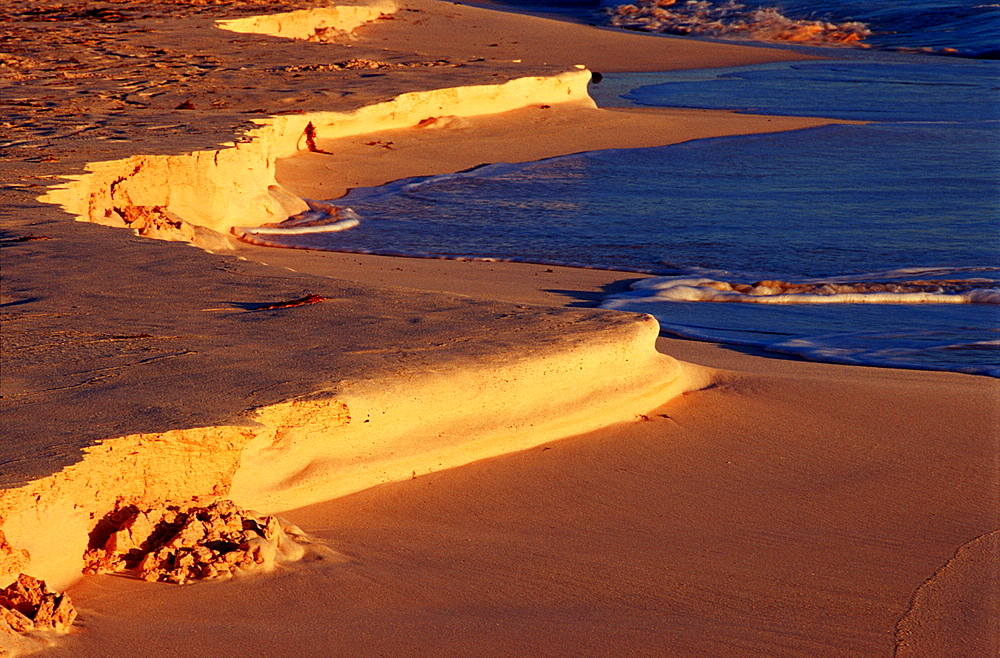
(969, 28)
(962, 27)
(875, 244)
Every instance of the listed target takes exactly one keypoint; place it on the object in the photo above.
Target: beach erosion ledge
(537, 377)
(202, 196)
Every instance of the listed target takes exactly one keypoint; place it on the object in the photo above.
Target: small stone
(177, 577)
(95, 561)
(119, 542)
(190, 534)
(46, 609)
(225, 507)
(25, 594)
(272, 528)
(5, 627)
(184, 560)
(64, 614)
(152, 565)
(16, 620)
(234, 525)
(246, 561)
(204, 554)
(141, 527)
(26, 590)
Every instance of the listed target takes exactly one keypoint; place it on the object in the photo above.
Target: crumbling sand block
(27, 605)
(183, 544)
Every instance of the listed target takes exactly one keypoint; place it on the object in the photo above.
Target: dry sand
(788, 508)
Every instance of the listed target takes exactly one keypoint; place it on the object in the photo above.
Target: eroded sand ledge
(370, 430)
(199, 197)
(363, 434)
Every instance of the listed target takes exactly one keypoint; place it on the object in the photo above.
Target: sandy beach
(479, 459)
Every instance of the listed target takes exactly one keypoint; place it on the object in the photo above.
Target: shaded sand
(786, 509)
(957, 611)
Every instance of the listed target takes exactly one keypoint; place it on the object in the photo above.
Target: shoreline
(477, 317)
(194, 197)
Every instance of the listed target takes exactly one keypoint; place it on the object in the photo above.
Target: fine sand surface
(615, 500)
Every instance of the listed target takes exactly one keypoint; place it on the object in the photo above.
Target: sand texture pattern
(490, 469)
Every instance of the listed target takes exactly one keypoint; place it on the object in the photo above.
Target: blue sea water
(968, 28)
(875, 244)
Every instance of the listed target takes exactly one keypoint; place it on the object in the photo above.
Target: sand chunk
(27, 605)
(184, 544)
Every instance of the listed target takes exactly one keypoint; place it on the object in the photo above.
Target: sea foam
(685, 289)
(882, 319)
(733, 20)
(319, 218)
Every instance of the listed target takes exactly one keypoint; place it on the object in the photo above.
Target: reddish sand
(784, 509)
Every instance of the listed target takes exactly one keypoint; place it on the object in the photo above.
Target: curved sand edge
(198, 197)
(311, 24)
(414, 423)
(362, 434)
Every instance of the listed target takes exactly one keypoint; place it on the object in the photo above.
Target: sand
(641, 505)
(756, 518)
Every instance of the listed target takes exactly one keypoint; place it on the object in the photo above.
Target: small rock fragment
(27, 605)
(64, 615)
(17, 621)
(46, 609)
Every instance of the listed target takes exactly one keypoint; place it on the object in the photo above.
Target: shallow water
(763, 205)
(918, 190)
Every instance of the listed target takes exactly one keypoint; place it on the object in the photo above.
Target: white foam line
(342, 225)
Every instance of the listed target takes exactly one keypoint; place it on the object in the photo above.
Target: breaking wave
(944, 320)
(320, 218)
(733, 20)
(686, 289)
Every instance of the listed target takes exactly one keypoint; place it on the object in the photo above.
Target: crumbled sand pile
(180, 544)
(28, 605)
